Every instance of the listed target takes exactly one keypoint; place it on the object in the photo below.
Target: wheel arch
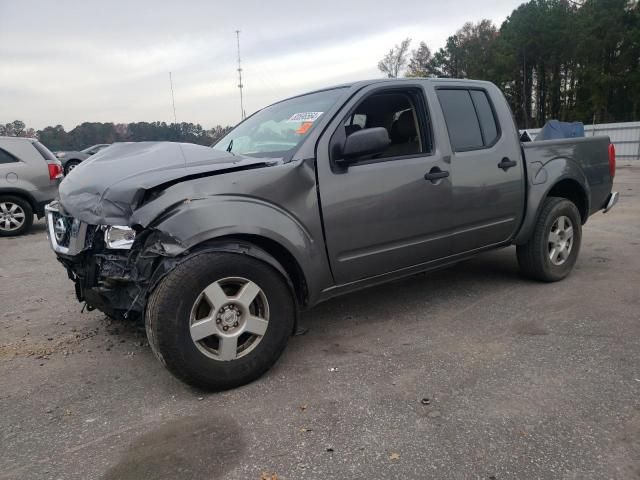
(296, 244)
(260, 248)
(16, 192)
(268, 251)
(573, 191)
(568, 182)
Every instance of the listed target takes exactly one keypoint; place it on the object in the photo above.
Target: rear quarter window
(6, 157)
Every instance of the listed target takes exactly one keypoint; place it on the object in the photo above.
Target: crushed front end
(113, 268)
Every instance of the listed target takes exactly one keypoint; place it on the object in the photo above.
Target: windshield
(276, 131)
(92, 149)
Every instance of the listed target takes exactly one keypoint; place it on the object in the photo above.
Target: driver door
(380, 213)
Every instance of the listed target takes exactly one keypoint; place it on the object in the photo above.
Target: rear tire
(553, 249)
(255, 308)
(16, 216)
(71, 164)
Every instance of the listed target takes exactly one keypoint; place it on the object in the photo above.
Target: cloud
(71, 61)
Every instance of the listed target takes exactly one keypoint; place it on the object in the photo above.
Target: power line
(173, 101)
(242, 113)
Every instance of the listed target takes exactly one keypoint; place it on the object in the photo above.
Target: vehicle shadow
(497, 270)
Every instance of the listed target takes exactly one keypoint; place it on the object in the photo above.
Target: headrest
(404, 128)
(349, 129)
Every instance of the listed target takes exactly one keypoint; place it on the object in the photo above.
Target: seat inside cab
(396, 112)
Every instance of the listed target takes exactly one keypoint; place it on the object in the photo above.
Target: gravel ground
(524, 380)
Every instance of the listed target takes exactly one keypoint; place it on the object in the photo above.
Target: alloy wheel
(560, 240)
(12, 216)
(229, 318)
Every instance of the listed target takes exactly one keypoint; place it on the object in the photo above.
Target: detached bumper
(612, 199)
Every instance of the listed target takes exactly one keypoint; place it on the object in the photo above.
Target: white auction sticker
(305, 117)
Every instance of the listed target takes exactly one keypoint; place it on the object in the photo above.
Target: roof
(26, 139)
(373, 81)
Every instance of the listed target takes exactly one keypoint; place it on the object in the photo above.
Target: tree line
(91, 133)
(553, 59)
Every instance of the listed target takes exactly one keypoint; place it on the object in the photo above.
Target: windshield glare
(276, 131)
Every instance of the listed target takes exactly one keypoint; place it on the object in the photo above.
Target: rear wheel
(220, 320)
(71, 164)
(553, 248)
(16, 216)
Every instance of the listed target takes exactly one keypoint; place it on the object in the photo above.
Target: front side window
(277, 130)
(397, 111)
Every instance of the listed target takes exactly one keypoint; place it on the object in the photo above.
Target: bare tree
(394, 61)
(420, 62)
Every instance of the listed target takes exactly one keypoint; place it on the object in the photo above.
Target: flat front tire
(220, 320)
(553, 249)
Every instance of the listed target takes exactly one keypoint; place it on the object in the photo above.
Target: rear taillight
(55, 170)
(612, 160)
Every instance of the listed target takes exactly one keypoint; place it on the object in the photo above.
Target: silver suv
(29, 178)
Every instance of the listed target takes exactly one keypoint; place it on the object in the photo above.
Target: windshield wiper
(230, 147)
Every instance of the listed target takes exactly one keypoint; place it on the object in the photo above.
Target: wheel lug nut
(218, 320)
(225, 328)
(235, 324)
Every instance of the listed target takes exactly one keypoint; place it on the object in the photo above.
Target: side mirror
(367, 141)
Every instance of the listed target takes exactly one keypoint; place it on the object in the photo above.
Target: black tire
(167, 320)
(27, 211)
(70, 165)
(534, 258)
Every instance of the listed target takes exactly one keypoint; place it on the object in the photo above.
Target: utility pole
(173, 101)
(243, 115)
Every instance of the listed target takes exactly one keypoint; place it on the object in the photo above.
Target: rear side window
(6, 157)
(461, 118)
(44, 151)
(485, 115)
(469, 117)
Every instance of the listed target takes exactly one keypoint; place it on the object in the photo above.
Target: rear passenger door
(487, 174)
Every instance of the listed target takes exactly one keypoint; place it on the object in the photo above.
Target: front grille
(62, 229)
(67, 235)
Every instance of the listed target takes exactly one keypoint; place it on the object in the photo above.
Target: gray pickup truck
(218, 249)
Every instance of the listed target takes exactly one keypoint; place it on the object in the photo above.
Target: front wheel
(553, 249)
(220, 320)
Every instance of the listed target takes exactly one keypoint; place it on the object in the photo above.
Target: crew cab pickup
(218, 249)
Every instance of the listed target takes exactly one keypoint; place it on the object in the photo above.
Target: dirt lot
(524, 380)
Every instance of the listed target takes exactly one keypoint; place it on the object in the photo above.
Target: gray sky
(68, 61)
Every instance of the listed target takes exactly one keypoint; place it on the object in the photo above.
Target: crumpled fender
(193, 221)
(221, 245)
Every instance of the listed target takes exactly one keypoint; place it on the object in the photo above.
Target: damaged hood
(104, 189)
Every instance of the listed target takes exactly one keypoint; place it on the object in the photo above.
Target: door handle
(506, 164)
(436, 174)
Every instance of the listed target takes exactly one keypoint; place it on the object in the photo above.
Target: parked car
(312, 197)
(29, 178)
(71, 159)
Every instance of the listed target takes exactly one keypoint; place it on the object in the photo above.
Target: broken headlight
(119, 237)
